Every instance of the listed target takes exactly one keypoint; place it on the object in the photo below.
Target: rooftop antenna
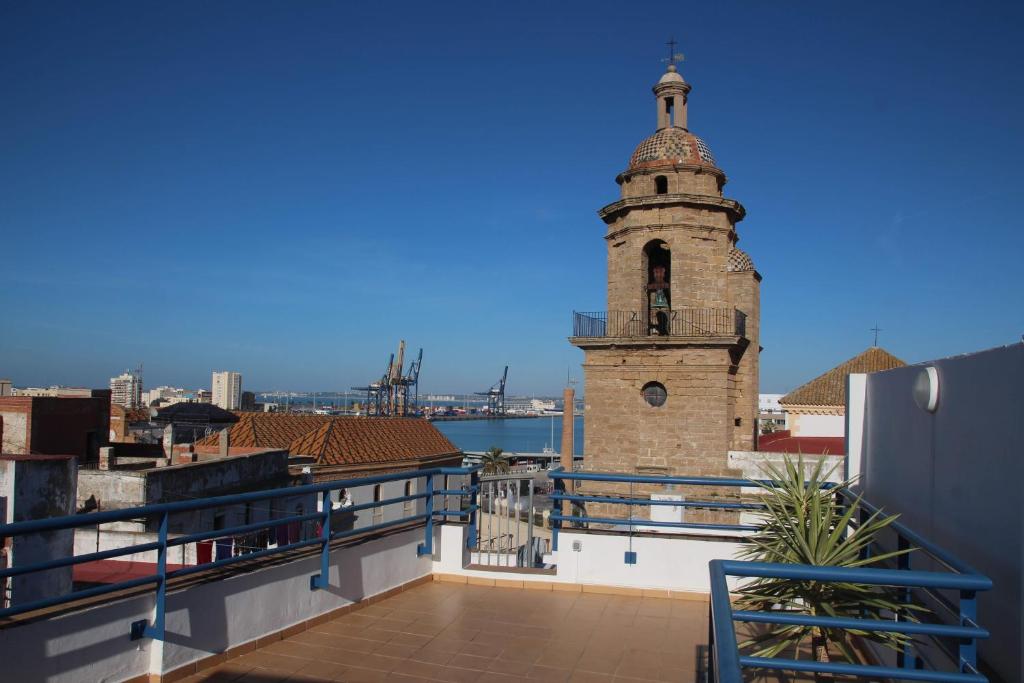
(876, 329)
(673, 56)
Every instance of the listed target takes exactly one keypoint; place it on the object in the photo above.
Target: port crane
(496, 395)
(389, 396)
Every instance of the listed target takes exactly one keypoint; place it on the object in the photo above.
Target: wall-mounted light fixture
(926, 389)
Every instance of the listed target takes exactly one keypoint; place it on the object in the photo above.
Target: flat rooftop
(450, 632)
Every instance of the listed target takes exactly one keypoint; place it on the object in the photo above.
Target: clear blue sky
(287, 188)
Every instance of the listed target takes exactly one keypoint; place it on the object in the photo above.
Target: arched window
(661, 184)
(657, 303)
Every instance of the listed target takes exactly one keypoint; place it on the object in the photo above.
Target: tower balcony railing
(676, 322)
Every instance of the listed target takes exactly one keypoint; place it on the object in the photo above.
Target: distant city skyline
(242, 185)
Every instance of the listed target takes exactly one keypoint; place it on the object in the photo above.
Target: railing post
(556, 509)
(156, 630)
(904, 655)
(968, 646)
(474, 496)
(711, 647)
(427, 547)
(320, 581)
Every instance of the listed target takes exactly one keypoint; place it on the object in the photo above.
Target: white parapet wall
(752, 465)
(672, 562)
(661, 561)
(207, 618)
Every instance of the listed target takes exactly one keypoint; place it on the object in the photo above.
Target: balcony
(676, 323)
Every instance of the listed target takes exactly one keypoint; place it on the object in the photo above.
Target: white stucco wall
(673, 563)
(954, 476)
(817, 425)
(93, 644)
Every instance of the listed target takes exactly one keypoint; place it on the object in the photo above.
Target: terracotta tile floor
(451, 632)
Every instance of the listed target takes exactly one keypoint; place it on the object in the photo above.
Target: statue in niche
(658, 288)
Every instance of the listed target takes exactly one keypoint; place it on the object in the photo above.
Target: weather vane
(876, 329)
(673, 56)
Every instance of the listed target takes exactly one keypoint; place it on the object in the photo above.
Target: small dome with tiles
(672, 145)
(739, 261)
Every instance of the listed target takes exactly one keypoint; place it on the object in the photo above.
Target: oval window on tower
(654, 393)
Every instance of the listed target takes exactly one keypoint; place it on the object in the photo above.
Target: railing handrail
(163, 511)
(560, 473)
(947, 559)
(104, 516)
(726, 662)
(872, 576)
(679, 321)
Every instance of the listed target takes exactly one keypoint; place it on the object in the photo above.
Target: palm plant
(494, 462)
(805, 524)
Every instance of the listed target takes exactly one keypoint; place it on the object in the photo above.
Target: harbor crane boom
(496, 395)
(390, 395)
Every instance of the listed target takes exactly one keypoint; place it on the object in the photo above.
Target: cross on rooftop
(673, 56)
(876, 329)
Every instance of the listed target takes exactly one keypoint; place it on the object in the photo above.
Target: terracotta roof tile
(267, 430)
(829, 389)
(366, 440)
(339, 440)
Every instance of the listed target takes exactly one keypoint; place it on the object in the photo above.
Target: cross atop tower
(876, 329)
(673, 56)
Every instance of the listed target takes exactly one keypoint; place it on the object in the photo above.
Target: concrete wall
(954, 476)
(205, 619)
(92, 540)
(37, 487)
(15, 434)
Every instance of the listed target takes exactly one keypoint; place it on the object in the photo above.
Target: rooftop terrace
(442, 631)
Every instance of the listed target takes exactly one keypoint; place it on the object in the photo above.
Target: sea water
(519, 435)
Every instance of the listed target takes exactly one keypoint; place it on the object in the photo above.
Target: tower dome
(672, 146)
(739, 261)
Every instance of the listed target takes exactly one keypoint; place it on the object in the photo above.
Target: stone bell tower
(671, 368)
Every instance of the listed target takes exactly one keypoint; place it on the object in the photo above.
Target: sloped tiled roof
(365, 440)
(830, 389)
(267, 430)
(339, 440)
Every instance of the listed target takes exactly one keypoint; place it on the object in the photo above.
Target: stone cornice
(610, 212)
(814, 410)
(691, 227)
(663, 165)
(652, 342)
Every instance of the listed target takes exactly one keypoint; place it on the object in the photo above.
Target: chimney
(106, 457)
(568, 422)
(224, 442)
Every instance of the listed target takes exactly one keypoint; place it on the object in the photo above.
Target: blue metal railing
(726, 663)
(163, 512)
(560, 477)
